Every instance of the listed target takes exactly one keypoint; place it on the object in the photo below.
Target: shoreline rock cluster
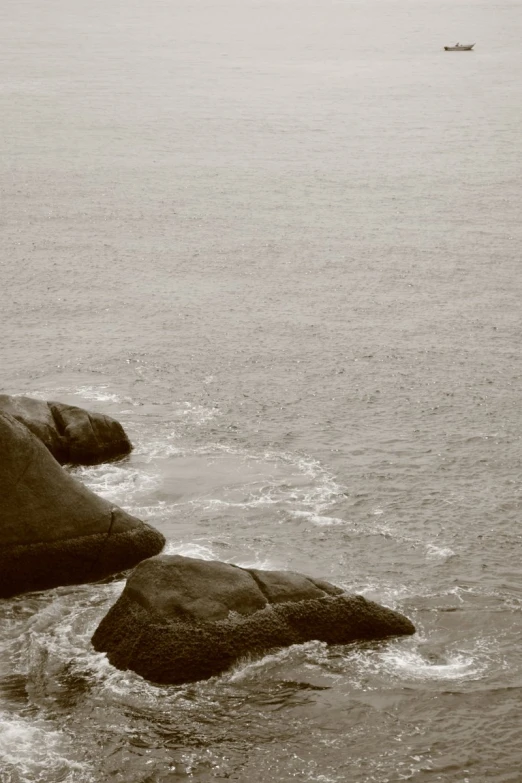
(54, 531)
(72, 435)
(178, 619)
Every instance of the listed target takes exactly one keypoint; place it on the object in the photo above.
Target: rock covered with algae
(180, 619)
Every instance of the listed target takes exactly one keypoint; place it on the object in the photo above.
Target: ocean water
(281, 242)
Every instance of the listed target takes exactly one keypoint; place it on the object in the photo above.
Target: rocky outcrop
(53, 530)
(180, 619)
(72, 435)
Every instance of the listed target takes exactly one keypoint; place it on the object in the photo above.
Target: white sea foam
(215, 476)
(158, 510)
(412, 665)
(262, 564)
(120, 484)
(43, 394)
(318, 519)
(157, 449)
(94, 393)
(438, 553)
(151, 443)
(390, 594)
(190, 549)
(32, 750)
(51, 640)
(98, 394)
(250, 502)
(248, 668)
(206, 552)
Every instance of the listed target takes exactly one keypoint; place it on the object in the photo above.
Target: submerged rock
(53, 530)
(72, 435)
(180, 619)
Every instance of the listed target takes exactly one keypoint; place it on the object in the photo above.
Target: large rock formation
(53, 530)
(180, 619)
(72, 435)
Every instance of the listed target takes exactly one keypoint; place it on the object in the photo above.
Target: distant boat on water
(459, 48)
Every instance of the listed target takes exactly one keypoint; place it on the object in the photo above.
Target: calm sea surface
(281, 242)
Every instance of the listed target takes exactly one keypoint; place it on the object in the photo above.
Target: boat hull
(467, 48)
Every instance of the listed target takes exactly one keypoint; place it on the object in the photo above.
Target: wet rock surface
(53, 530)
(72, 435)
(180, 619)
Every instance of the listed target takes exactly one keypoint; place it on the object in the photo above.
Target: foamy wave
(190, 549)
(317, 519)
(438, 553)
(98, 394)
(248, 668)
(389, 594)
(411, 664)
(42, 394)
(257, 563)
(386, 530)
(301, 481)
(239, 479)
(51, 648)
(157, 449)
(152, 441)
(206, 552)
(212, 478)
(158, 510)
(118, 484)
(251, 502)
(31, 750)
(326, 490)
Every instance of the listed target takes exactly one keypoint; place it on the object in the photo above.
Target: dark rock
(180, 619)
(53, 530)
(72, 435)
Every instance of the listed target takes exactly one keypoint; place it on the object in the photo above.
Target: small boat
(459, 48)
